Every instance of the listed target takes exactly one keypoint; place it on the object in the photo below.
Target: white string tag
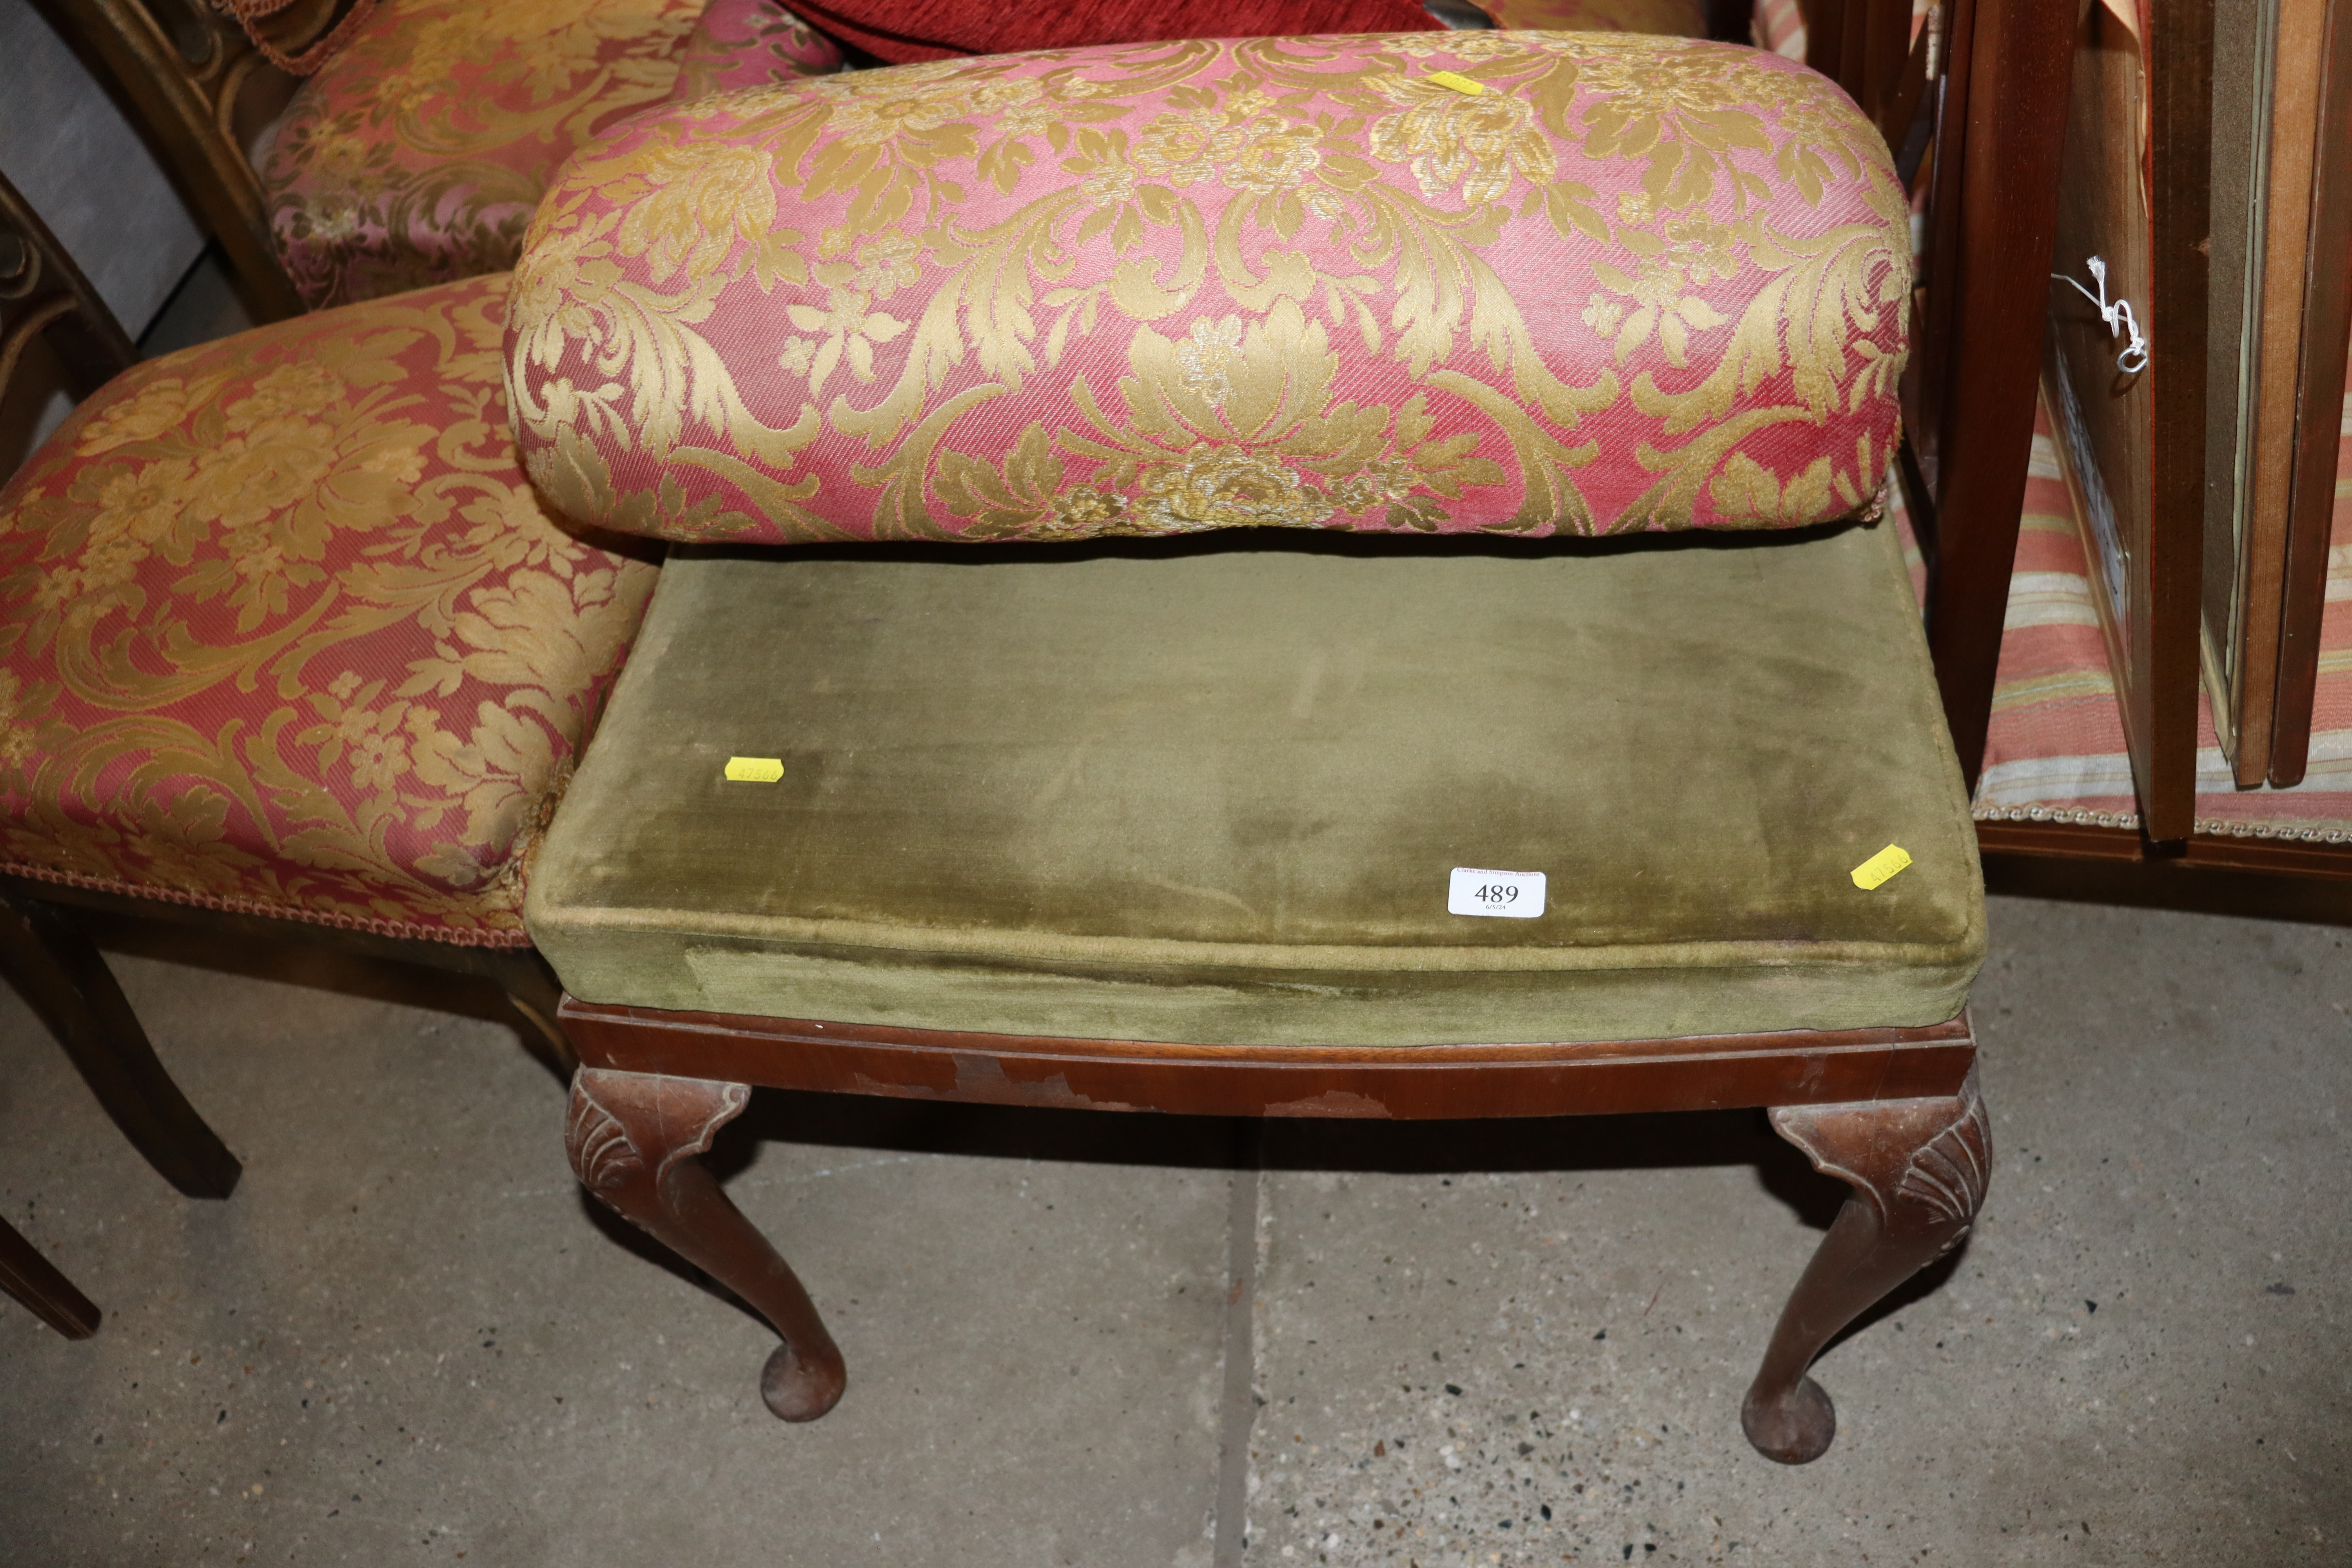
(2117, 316)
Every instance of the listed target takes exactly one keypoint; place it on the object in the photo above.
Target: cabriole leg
(636, 1141)
(1919, 1169)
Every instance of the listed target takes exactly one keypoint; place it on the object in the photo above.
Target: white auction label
(1520, 894)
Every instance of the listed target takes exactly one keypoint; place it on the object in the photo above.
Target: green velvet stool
(1189, 825)
(1165, 685)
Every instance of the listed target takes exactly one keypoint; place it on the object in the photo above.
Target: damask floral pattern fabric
(417, 154)
(749, 43)
(283, 628)
(1525, 282)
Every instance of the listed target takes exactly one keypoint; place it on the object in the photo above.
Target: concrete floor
(1129, 1342)
(407, 1337)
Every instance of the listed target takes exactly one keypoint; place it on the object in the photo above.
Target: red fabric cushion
(903, 30)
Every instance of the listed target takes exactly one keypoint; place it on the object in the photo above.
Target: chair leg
(635, 1140)
(533, 990)
(65, 981)
(32, 1279)
(1919, 1170)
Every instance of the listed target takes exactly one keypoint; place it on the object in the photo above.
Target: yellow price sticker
(1459, 83)
(1881, 866)
(754, 770)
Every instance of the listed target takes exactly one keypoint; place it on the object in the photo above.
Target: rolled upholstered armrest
(1518, 282)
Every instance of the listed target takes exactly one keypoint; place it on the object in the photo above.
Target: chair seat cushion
(1171, 791)
(1448, 282)
(418, 152)
(283, 630)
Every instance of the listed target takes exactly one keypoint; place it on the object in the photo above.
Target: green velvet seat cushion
(1177, 791)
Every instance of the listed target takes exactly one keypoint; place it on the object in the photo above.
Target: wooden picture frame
(2281, 245)
(2125, 364)
(2327, 347)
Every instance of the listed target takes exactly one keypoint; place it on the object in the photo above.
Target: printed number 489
(1514, 894)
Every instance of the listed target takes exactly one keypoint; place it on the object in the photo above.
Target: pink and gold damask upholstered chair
(1312, 576)
(417, 151)
(290, 648)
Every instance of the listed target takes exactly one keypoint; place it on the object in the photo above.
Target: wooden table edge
(1403, 1082)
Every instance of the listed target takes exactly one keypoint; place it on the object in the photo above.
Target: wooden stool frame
(1972, 107)
(1895, 1113)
